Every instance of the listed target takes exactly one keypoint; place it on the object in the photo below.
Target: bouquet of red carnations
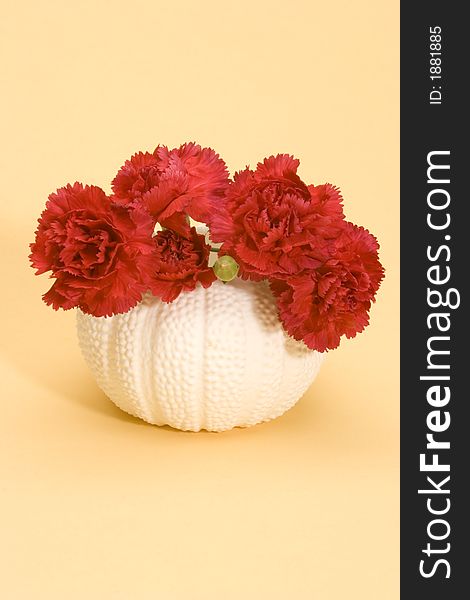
(105, 251)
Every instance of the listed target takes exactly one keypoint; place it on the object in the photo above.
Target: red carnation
(273, 224)
(100, 254)
(137, 176)
(321, 305)
(172, 183)
(181, 262)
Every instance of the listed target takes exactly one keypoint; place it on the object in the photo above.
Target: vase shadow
(89, 396)
(92, 398)
(79, 387)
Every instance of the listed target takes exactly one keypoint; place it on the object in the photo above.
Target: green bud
(225, 268)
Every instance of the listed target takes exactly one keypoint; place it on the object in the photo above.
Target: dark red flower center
(88, 245)
(174, 248)
(148, 177)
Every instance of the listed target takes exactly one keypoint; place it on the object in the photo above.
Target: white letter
(433, 395)
(439, 206)
(434, 423)
(434, 466)
(438, 522)
(434, 568)
(438, 512)
(432, 166)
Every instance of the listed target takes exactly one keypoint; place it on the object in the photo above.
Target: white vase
(212, 359)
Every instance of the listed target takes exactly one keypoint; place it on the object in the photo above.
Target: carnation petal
(137, 176)
(181, 262)
(281, 165)
(100, 253)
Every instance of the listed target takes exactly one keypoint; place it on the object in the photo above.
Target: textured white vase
(212, 359)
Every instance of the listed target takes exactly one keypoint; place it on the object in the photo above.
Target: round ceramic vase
(213, 359)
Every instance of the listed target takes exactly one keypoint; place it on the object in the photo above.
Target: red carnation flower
(172, 183)
(137, 176)
(181, 262)
(100, 254)
(273, 224)
(321, 305)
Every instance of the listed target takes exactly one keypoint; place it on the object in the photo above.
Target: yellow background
(98, 505)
